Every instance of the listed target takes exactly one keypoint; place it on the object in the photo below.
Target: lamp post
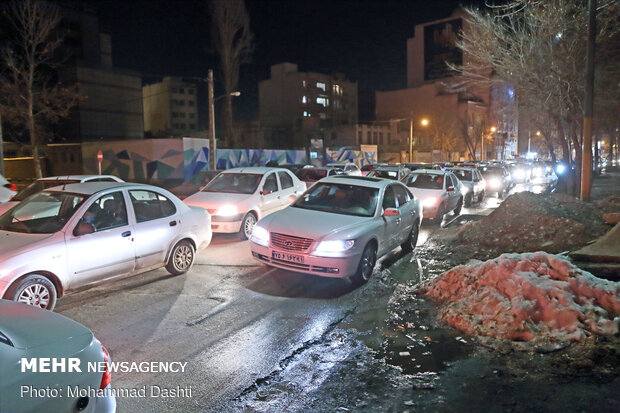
(212, 101)
(423, 122)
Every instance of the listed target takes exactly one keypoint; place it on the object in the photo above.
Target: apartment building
(170, 108)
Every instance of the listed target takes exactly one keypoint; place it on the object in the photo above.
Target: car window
(449, 181)
(149, 205)
(102, 180)
(340, 199)
(425, 181)
(270, 183)
(389, 198)
(108, 211)
(401, 195)
(285, 180)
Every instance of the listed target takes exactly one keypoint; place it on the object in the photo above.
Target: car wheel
(469, 199)
(440, 213)
(367, 264)
(500, 194)
(34, 290)
(459, 206)
(181, 258)
(481, 197)
(412, 241)
(247, 225)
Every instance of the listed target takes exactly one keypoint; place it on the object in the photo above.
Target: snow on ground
(537, 301)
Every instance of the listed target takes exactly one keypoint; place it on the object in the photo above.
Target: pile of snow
(527, 222)
(536, 300)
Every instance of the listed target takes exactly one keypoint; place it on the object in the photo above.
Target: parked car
(439, 192)
(521, 172)
(369, 167)
(473, 184)
(417, 165)
(339, 227)
(294, 167)
(44, 183)
(349, 168)
(497, 180)
(94, 231)
(311, 175)
(397, 173)
(30, 333)
(7, 190)
(237, 198)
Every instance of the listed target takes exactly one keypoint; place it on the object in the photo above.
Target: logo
(288, 243)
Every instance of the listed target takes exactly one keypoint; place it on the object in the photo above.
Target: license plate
(287, 257)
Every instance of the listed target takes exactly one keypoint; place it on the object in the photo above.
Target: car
(397, 173)
(417, 165)
(497, 180)
(339, 227)
(237, 198)
(521, 172)
(50, 181)
(349, 168)
(29, 333)
(294, 167)
(369, 167)
(473, 184)
(439, 192)
(94, 231)
(311, 175)
(7, 190)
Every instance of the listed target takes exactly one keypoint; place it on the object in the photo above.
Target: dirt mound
(536, 300)
(609, 204)
(527, 222)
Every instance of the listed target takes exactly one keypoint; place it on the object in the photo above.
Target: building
(462, 122)
(307, 106)
(170, 108)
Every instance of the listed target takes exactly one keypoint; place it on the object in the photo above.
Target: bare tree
(234, 43)
(30, 97)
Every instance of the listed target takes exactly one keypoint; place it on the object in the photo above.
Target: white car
(473, 184)
(50, 181)
(30, 333)
(92, 232)
(349, 168)
(439, 192)
(7, 190)
(339, 227)
(237, 198)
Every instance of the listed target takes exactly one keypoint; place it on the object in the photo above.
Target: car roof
(253, 170)
(390, 168)
(77, 177)
(429, 171)
(89, 188)
(461, 168)
(358, 180)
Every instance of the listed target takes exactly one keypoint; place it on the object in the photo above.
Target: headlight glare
(335, 246)
(429, 202)
(227, 211)
(260, 236)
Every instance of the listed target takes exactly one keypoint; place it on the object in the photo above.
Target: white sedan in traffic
(439, 192)
(339, 227)
(88, 232)
(237, 198)
(31, 334)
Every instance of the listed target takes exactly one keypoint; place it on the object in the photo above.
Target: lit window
(303, 83)
(320, 85)
(307, 114)
(322, 101)
(337, 90)
(304, 99)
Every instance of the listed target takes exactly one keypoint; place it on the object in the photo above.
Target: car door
(453, 195)
(156, 226)
(287, 189)
(101, 243)
(407, 212)
(391, 225)
(269, 192)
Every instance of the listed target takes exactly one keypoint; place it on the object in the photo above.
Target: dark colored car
(497, 180)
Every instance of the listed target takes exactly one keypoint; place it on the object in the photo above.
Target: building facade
(307, 106)
(170, 108)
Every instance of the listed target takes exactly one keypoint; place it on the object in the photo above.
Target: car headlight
(227, 211)
(519, 174)
(560, 169)
(260, 236)
(464, 190)
(429, 202)
(331, 247)
(494, 183)
(537, 171)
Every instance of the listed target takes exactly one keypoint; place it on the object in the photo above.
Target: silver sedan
(339, 227)
(80, 234)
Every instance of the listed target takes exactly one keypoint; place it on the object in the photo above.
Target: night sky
(365, 40)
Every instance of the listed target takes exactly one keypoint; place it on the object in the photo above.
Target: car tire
(469, 200)
(440, 213)
(366, 264)
(459, 206)
(35, 290)
(247, 225)
(481, 197)
(181, 258)
(412, 240)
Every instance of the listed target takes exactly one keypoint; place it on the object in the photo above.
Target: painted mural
(360, 158)
(232, 158)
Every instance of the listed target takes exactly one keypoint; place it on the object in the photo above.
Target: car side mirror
(391, 212)
(265, 191)
(83, 228)
(450, 188)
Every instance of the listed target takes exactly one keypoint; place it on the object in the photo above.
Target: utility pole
(212, 120)
(586, 158)
(411, 139)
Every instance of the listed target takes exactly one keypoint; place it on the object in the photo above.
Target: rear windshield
(462, 175)
(311, 174)
(38, 186)
(424, 181)
(384, 174)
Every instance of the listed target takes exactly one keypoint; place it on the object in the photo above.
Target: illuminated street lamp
(423, 122)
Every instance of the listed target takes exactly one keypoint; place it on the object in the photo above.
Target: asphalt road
(233, 320)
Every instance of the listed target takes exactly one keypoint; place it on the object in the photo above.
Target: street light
(212, 101)
(423, 122)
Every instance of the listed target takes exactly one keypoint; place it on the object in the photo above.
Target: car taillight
(12, 187)
(106, 379)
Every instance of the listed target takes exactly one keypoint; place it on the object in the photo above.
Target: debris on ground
(609, 204)
(527, 222)
(535, 301)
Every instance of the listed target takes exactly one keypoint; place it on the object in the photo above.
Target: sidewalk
(605, 185)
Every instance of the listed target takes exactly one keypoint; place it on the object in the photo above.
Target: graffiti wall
(359, 157)
(232, 158)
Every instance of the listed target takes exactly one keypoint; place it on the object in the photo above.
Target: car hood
(306, 223)
(28, 327)
(214, 200)
(14, 241)
(425, 193)
(5, 206)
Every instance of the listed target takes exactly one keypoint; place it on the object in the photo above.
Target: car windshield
(425, 181)
(384, 174)
(312, 174)
(40, 185)
(491, 171)
(340, 199)
(236, 183)
(43, 213)
(462, 175)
